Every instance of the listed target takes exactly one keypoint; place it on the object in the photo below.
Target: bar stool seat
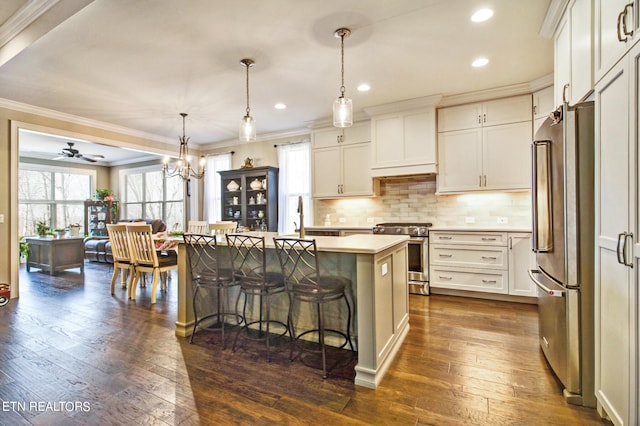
(248, 260)
(304, 282)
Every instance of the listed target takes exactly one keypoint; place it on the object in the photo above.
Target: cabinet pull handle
(535, 109)
(489, 238)
(624, 21)
(445, 255)
(489, 281)
(445, 278)
(510, 243)
(623, 253)
(619, 26)
(479, 119)
(564, 94)
(489, 257)
(480, 180)
(484, 118)
(485, 180)
(444, 238)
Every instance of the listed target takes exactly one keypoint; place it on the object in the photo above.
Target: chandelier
(247, 124)
(342, 107)
(182, 166)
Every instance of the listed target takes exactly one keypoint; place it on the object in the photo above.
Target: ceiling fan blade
(82, 157)
(94, 156)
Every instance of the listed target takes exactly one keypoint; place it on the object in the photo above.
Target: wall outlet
(342, 220)
(469, 219)
(503, 220)
(369, 220)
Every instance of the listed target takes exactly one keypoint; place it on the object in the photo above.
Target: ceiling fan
(71, 152)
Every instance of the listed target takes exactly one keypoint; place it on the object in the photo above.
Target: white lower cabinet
(489, 262)
(521, 259)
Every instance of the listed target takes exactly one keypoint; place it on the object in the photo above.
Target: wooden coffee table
(55, 254)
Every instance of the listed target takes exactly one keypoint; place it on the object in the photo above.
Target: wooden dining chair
(147, 259)
(200, 227)
(222, 228)
(122, 261)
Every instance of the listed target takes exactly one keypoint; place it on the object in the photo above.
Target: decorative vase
(255, 184)
(233, 186)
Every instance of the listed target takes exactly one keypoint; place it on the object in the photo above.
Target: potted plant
(24, 249)
(104, 194)
(42, 228)
(74, 230)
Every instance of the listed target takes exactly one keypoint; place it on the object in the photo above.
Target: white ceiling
(138, 64)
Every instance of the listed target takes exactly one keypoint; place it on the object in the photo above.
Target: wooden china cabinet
(250, 197)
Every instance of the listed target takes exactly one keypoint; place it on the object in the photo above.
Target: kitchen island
(377, 267)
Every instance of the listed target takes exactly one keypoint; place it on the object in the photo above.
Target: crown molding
(264, 137)
(542, 82)
(24, 17)
(56, 115)
(409, 104)
(483, 95)
(552, 18)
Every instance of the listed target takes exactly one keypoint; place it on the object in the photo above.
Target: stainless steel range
(418, 251)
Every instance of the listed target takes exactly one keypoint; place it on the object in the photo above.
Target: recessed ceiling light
(279, 106)
(364, 87)
(480, 62)
(482, 15)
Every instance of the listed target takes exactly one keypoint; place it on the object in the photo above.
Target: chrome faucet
(301, 214)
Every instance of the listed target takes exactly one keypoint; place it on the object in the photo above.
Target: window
(294, 161)
(52, 194)
(212, 184)
(148, 195)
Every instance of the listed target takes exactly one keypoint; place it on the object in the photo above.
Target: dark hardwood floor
(72, 354)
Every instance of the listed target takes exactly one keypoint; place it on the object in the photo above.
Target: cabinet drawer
(473, 257)
(469, 279)
(471, 237)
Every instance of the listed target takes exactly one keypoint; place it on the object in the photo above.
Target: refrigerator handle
(555, 293)
(534, 199)
(545, 199)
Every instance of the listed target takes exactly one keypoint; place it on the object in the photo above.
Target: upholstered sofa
(98, 249)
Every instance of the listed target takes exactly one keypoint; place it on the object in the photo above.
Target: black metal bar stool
(301, 271)
(208, 274)
(248, 261)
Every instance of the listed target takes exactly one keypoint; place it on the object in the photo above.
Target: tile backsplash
(414, 199)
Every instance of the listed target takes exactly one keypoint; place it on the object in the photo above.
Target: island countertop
(359, 243)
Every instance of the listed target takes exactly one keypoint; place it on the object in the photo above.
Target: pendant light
(247, 124)
(342, 107)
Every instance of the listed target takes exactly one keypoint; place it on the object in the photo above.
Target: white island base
(376, 265)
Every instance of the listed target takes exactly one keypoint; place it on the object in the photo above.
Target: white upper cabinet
(616, 31)
(543, 105)
(333, 136)
(573, 64)
(403, 137)
(341, 162)
(490, 154)
(490, 113)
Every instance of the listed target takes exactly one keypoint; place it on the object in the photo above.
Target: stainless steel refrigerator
(563, 242)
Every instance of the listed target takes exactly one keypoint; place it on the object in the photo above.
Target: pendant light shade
(343, 106)
(247, 124)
